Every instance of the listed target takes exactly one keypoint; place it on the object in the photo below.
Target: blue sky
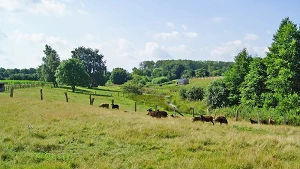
(128, 32)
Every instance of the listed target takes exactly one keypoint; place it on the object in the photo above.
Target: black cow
(114, 106)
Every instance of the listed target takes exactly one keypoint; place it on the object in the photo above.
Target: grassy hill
(52, 133)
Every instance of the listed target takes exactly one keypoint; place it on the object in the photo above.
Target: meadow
(53, 133)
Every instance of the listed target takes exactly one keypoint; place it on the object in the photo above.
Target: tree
(283, 60)
(119, 76)
(157, 72)
(216, 94)
(50, 63)
(72, 72)
(234, 77)
(255, 84)
(93, 64)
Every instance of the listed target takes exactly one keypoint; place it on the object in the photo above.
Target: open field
(52, 133)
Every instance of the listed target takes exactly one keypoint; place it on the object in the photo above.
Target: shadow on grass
(108, 90)
(85, 91)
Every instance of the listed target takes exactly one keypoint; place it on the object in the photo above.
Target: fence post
(134, 106)
(174, 111)
(91, 100)
(258, 114)
(41, 92)
(284, 119)
(193, 111)
(155, 107)
(237, 115)
(66, 94)
(112, 101)
(11, 92)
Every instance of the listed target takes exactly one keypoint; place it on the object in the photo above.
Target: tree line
(269, 82)
(18, 74)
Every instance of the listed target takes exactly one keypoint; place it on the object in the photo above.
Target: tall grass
(51, 133)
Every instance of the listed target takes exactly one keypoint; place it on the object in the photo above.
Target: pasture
(52, 133)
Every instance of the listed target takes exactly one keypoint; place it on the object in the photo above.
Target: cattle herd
(204, 118)
(106, 105)
(270, 121)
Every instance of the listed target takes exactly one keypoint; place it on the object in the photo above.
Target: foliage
(216, 94)
(18, 74)
(234, 77)
(119, 76)
(193, 93)
(132, 87)
(72, 72)
(50, 63)
(283, 63)
(160, 80)
(93, 63)
(255, 84)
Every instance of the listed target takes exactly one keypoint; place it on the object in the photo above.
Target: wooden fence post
(66, 94)
(258, 118)
(112, 101)
(12, 92)
(193, 111)
(134, 106)
(237, 115)
(284, 119)
(41, 92)
(174, 111)
(155, 107)
(91, 100)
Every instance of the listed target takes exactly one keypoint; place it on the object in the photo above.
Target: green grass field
(52, 133)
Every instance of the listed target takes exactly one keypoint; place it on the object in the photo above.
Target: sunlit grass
(52, 133)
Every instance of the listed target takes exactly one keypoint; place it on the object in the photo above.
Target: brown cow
(206, 118)
(106, 105)
(263, 122)
(221, 119)
(157, 113)
(271, 121)
(252, 121)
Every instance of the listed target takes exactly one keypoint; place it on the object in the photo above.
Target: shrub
(160, 80)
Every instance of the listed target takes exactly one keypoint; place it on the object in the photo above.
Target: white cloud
(217, 19)
(181, 51)
(251, 37)
(44, 7)
(170, 25)
(190, 34)
(165, 35)
(82, 10)
(184, 27)
(153, 51)
(20, 37)
(228, 50)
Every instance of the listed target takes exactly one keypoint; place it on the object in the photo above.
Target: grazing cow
(174, 116)
(204, 119)
(157, 113)
(106, 105)
(252, 121)
(263, 122)
(196, 119)
(221, 119)
(271, 121)
(114, 106)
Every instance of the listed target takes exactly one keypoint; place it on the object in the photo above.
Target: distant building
(183, 81)
(2, 88)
